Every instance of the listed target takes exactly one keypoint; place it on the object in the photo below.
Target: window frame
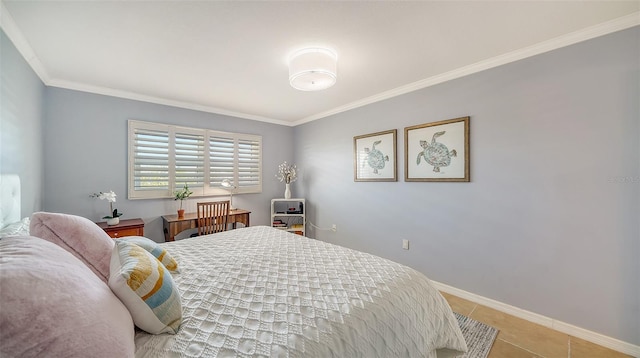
(208, 188)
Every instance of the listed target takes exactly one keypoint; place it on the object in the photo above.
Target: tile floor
(520, 338)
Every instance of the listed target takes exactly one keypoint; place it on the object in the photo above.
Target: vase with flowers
(287, 173)
(181, 195)
(109, 196)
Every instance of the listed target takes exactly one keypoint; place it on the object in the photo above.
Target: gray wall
(86, 152)
(21, 118)
(549, 221)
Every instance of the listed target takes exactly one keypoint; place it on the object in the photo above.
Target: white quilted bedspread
(260, 291)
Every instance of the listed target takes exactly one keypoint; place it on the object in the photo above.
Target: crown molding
(588, 33)
(9, 26)
(159, 100)
(15, 35)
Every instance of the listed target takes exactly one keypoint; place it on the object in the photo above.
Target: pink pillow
(80, 236)
(54, 306)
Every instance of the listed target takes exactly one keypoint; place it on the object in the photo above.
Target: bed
(250, 292)
(260, 291)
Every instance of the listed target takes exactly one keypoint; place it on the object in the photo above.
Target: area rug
(478, 335)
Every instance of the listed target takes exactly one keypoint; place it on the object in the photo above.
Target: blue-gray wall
(550, 220)
(86, 152)
(21, 118)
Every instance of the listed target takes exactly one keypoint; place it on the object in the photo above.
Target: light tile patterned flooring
(520, 338)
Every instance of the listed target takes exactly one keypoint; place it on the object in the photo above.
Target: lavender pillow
(80, 236)
(54, 306)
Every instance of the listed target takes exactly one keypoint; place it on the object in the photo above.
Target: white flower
(110, 196)
(287, 173)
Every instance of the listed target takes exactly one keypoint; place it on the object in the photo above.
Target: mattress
(260, 291)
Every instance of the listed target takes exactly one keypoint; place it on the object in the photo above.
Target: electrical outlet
(334, 228)
(405, 244)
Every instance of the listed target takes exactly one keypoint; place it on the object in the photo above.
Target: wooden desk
(131, 227)
(172, 226)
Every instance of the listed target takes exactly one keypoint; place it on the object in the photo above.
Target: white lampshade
(227, 184)
(312, 69)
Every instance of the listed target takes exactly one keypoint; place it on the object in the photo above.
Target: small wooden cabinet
(129, 227)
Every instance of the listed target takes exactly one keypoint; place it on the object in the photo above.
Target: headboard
(9, 199)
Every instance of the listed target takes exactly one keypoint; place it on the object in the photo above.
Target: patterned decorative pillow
(80, 236)
(156, 250)
(146, 288)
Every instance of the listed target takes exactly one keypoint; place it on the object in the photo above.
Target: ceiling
(229, 57)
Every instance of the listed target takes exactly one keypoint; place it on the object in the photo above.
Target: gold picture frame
(437, 151)
(375, 157)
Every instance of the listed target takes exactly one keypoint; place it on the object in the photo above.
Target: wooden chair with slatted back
(213, 217)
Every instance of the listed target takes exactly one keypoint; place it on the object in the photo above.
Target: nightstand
(129, 227)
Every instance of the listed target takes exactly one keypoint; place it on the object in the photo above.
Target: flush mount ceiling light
(312, 69)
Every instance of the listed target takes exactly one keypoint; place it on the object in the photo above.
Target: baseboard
(597, 338)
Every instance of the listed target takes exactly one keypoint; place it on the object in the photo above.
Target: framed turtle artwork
(437, 151)
(374, 157)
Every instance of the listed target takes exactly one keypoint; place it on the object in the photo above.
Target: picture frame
(437, 151)
(375, 157)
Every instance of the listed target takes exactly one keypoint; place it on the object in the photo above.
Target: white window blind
(221, 159)
(163, 158)
(189, 160)
(249, 167)
(150, 161)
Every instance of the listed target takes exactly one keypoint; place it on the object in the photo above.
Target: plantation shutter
(221, 160)
(151, 160)
(189, 162)
(249, 163)
(163, 158)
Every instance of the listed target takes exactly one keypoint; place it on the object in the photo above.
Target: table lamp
(227, 184)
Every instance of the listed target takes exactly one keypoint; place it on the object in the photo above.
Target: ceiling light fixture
(312, 69)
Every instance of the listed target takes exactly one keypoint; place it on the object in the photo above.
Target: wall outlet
(334, 228)
(405, 244)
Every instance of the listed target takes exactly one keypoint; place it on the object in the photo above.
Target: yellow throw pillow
(146, 288)
(156, 250)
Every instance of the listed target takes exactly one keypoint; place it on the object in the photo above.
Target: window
(163, 158)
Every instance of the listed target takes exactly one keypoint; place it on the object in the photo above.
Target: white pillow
(146, 288)
(20, 228)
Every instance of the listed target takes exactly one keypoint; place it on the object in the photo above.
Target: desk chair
(212, 217)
